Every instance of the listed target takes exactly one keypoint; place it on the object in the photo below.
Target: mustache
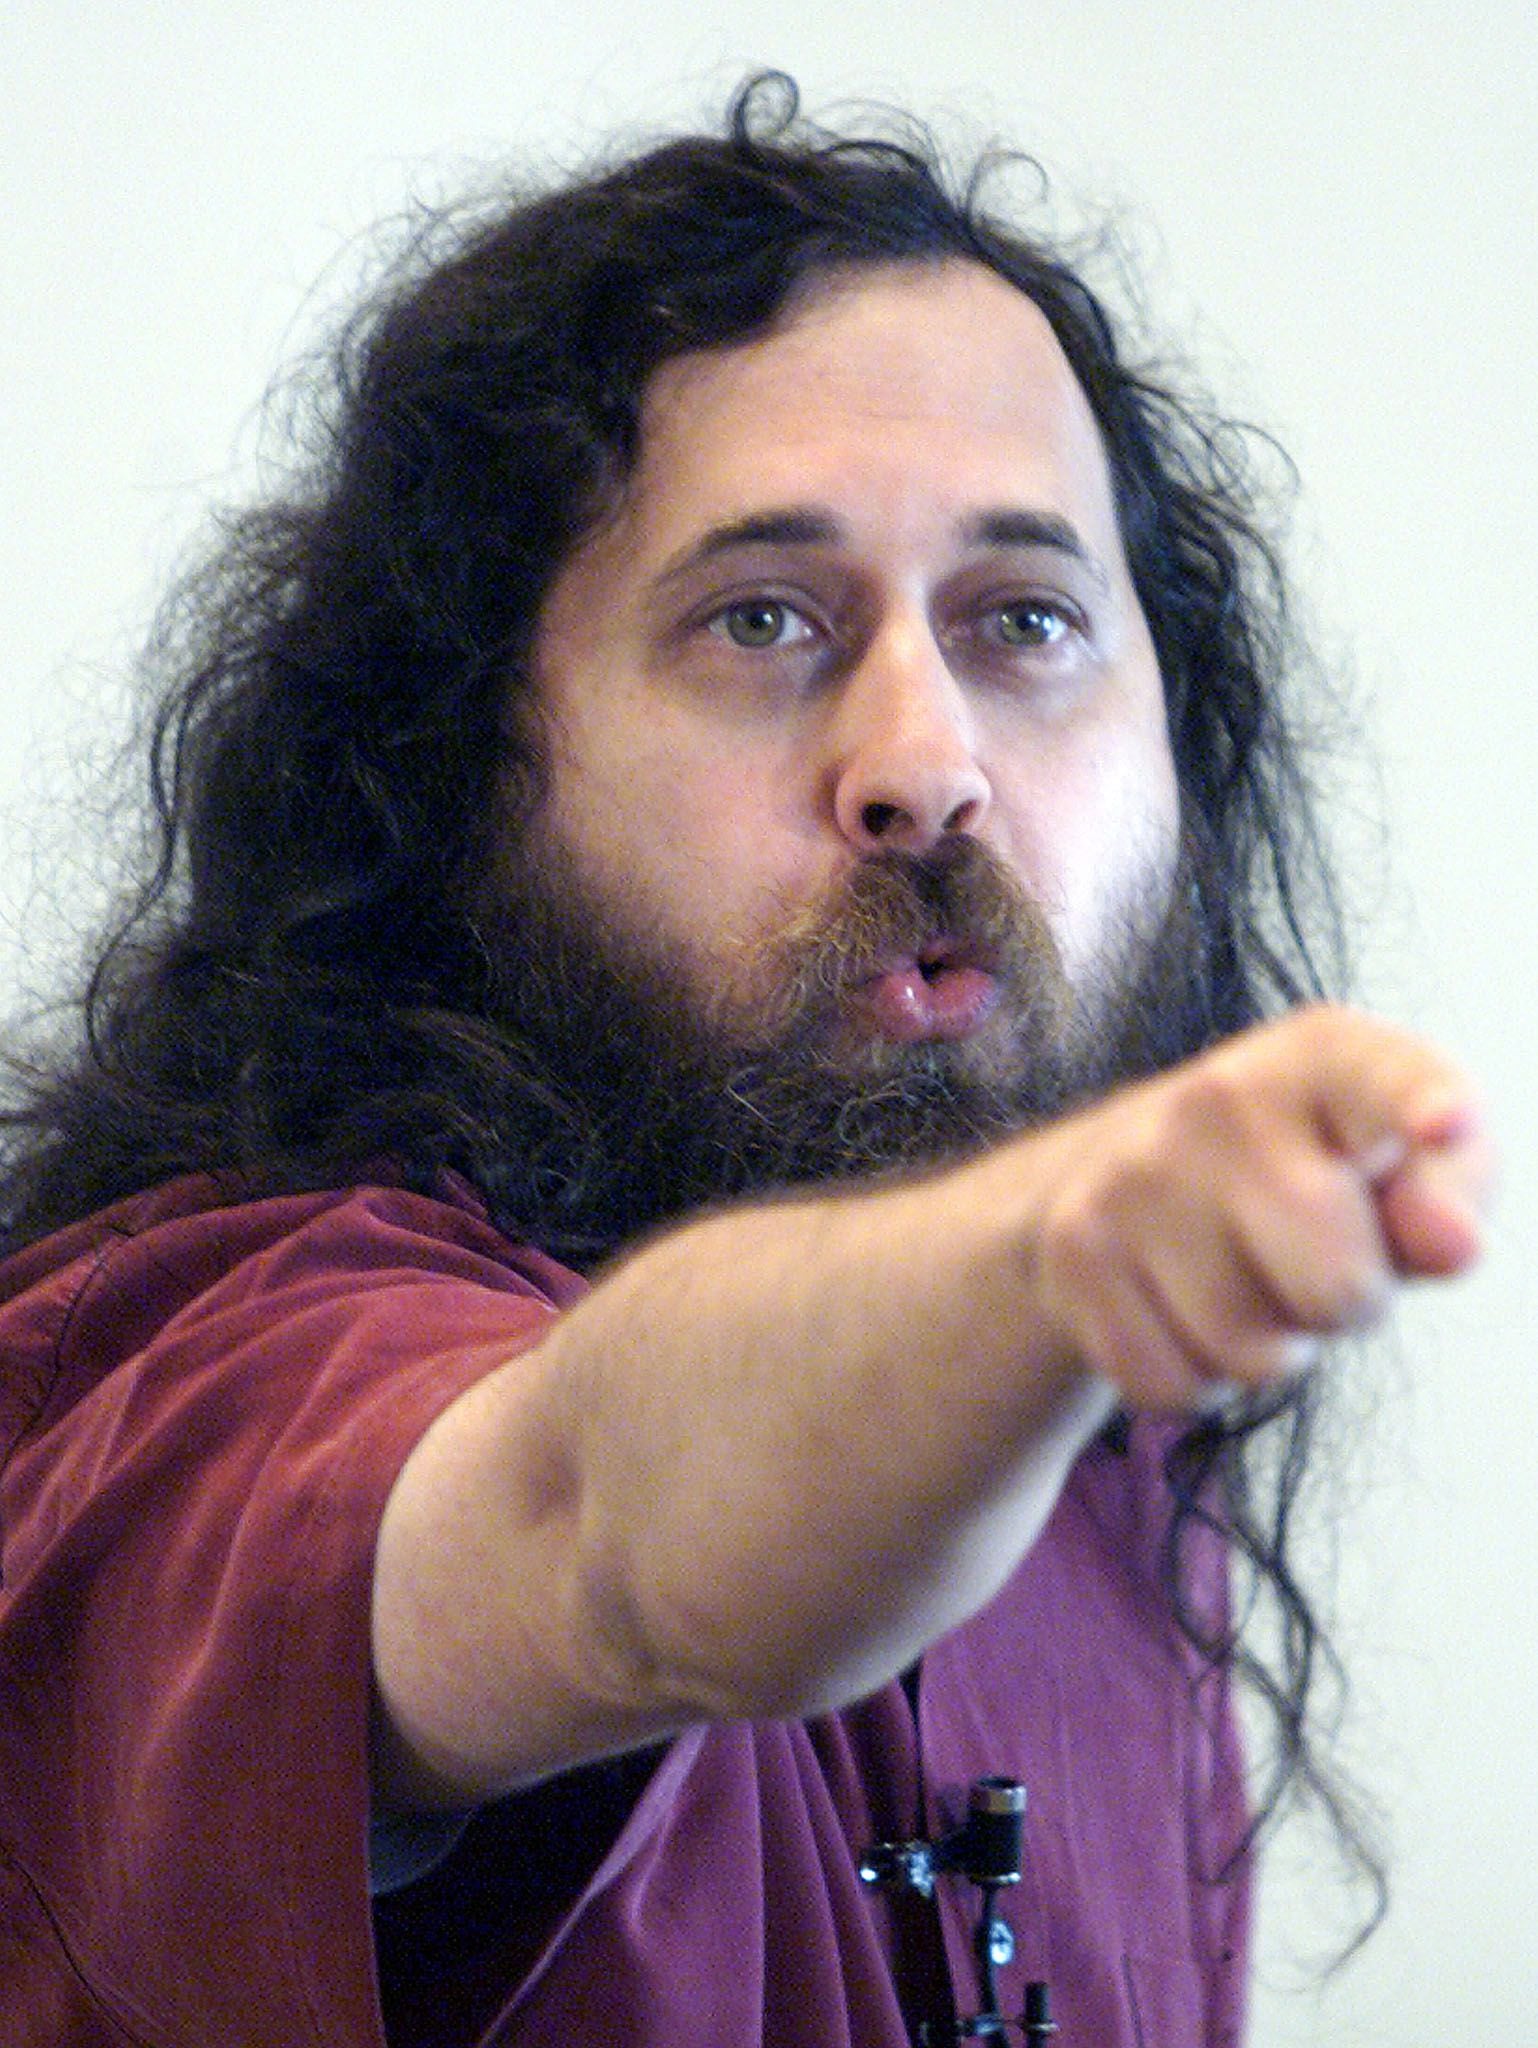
(958, 896)
(641, 1093)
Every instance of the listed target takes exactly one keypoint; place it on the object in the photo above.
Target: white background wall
(1336, 205)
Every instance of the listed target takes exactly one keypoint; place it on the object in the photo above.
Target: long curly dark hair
(299, 987)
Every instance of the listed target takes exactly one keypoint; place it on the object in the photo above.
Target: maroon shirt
(202, 1411)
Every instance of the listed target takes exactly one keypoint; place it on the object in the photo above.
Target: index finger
(1380, 1094)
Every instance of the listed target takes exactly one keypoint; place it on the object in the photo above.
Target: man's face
(865, 595)
(860, 790)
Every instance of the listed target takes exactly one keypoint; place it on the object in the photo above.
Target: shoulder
(243, 1364)
(194, 1256)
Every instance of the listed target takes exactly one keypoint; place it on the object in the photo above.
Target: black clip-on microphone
(986, 1850)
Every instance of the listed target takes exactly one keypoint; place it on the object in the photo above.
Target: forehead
(907, 384)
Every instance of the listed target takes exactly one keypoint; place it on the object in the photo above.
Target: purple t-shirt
(202, 1410)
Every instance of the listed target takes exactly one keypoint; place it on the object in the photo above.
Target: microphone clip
(986, 1851)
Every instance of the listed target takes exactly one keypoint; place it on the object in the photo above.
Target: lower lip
(910, 1008)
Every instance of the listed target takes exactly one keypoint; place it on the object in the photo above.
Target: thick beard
(645, 1098)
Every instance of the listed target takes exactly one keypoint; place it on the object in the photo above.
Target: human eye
(1033, 622)
(760, 623)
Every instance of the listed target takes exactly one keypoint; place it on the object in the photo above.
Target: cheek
(1094, 832)
(701, 837)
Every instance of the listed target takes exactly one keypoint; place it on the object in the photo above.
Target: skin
(779, 1450)
(906, 486)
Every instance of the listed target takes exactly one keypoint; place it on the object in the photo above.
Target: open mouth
(938, 957)
(943, 990)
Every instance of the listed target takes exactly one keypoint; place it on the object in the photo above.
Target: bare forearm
(768, 1460)
(841, 1424)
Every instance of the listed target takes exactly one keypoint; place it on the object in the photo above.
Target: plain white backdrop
(1334, 208)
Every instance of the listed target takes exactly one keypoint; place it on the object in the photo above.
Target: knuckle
(1265, 1359)
(1319, 1024)
(1324, 1198)
(1345, 1280)
(1210, 1101)
(1344, 1287)
(1358, 1294)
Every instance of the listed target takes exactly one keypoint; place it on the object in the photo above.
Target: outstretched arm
(778, 1451)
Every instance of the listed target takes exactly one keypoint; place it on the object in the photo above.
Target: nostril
(878, 819)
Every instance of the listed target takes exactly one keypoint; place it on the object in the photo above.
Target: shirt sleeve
(184, 1640)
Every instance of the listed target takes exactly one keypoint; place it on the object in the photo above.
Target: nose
(907, 772)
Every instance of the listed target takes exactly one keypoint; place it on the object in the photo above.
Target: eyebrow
(1006, 526)
(793, 527)
(1003, 526)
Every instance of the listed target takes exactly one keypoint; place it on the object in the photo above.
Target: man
(755, 702)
